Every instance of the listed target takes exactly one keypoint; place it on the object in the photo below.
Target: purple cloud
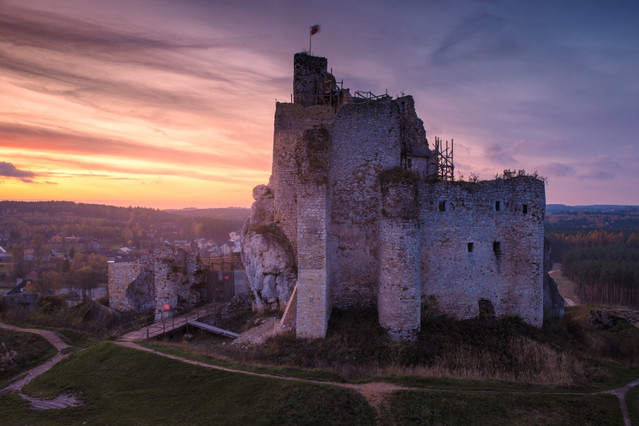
(602, 167)
(9, 170)
(495, 152)
(558, 169)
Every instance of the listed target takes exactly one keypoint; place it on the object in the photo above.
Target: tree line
(120, 225)
(600, 253)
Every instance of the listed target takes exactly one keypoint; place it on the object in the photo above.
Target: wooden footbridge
(165, 325)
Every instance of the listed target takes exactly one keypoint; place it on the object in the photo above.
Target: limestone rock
(267, 255)
(141, 292)
(605, 318)
(268, 259)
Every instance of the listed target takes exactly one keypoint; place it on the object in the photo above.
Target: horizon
(125, 205)
(168, 105)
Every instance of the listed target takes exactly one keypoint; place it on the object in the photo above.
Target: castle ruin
(170, 279)
(360, 210)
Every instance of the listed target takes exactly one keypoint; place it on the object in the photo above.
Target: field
(459, 372)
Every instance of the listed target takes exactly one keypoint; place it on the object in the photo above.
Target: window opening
(442, 206)
(471, 247)
(525, 208)
(497, 206)
(497, 248)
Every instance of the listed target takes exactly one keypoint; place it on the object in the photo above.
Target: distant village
(76, 267)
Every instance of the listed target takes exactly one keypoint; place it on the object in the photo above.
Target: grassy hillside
(463, 408)
(125, 386)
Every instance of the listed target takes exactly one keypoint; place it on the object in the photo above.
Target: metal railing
(157, 328)
(370, 95)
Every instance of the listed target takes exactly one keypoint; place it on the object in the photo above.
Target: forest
(598, 248)
(119, 225)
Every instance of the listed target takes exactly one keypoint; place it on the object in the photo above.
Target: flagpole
(310, 38)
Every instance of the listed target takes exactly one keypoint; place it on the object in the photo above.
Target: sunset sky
(168, 104)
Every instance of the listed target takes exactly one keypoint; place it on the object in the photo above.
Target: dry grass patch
(537, 363)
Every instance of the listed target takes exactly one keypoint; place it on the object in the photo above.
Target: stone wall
(365, 141)
(120, 275)
(484, 240)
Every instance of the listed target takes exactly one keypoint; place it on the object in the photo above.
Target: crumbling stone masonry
(172, 276)
(355, 211)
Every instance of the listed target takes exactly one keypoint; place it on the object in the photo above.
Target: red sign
(167, 306)
(226, 278)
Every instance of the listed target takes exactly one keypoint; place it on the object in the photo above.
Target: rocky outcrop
(606, 318)
(177, 275)
(141, 292)
(267, 255)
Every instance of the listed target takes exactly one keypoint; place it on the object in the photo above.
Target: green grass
(32, 350)
(125, 386)
(307, 374)
(632, 400)
(419, 408)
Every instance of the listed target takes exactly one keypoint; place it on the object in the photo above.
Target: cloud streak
(10, 171)
(136, 93)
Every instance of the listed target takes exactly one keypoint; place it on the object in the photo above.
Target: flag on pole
(315, 29)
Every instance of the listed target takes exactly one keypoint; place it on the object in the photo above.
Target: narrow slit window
(497, 206)
(471, 247)
(497, 248)
(443, 205)
(524, 208)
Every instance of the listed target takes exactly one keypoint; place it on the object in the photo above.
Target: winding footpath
(374, 393)
(377, 392)
(61, 401)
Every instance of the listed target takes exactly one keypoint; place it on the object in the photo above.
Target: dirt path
(60, 343)
(621, 394)
(566, 287)
(56, 339)
(374, 393)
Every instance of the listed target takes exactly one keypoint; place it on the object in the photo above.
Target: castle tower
(307, 78)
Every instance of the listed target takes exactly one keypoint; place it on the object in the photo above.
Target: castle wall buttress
(399, 297)
(313, 226)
